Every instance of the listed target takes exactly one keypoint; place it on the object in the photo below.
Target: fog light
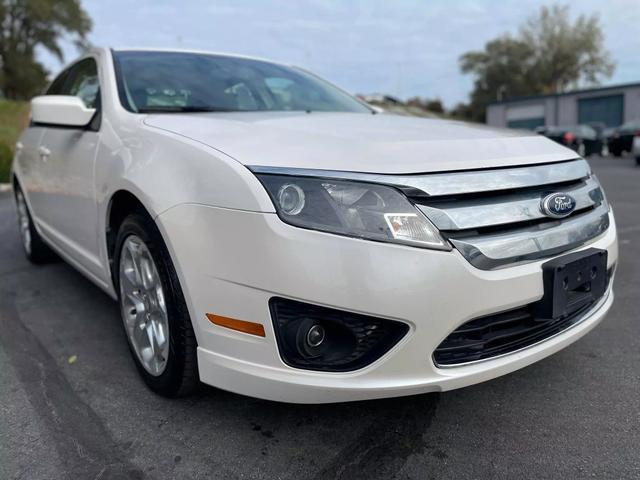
(319, 338)
(309, 337)
(315, 336)
(291, 199)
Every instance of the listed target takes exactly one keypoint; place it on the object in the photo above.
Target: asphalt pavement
(72, 405)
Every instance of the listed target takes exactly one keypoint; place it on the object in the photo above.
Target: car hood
(359, 142)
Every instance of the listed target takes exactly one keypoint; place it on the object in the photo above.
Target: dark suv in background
(581, 138)
(622, 139)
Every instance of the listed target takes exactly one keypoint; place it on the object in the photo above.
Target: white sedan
(266, 233)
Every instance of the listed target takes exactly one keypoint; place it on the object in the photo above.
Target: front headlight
(355, 209)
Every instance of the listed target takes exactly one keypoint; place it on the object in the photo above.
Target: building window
(526, 123)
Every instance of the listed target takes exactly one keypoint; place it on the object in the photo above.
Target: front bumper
(232, 262)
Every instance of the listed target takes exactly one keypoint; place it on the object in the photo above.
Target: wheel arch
(121, 204)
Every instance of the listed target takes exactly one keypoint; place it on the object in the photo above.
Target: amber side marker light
(239, 325)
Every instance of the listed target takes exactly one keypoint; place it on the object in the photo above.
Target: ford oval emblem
(558, 205)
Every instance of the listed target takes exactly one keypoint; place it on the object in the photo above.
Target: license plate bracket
(571, 282)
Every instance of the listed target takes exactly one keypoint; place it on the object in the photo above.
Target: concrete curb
(5, 187)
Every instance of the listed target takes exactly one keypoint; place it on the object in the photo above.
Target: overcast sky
(401, 47)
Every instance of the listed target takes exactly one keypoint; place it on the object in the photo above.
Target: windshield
(194, 82)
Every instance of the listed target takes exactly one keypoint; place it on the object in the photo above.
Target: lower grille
(501, 333)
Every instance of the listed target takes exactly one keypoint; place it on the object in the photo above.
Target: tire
(616, 153)
(638, 161)
(35, 249)
(156, 322)
(582, 150)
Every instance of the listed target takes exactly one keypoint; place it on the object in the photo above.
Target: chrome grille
(494, 210)
(503, 224)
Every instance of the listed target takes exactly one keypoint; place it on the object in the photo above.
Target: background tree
(503, 69)
(566, 54)
(549, 55)
(28, 24)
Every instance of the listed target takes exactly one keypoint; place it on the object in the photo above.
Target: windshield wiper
(181, 109)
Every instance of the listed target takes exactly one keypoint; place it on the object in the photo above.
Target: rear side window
(80, 80)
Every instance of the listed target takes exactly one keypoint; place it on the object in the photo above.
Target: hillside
(13, 118)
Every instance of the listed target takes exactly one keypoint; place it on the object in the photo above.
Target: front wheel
(638, 161)
(154, 313)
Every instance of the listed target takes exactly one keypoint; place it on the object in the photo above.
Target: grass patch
(13, 118)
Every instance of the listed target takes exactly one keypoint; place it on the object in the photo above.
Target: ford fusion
(266, 233)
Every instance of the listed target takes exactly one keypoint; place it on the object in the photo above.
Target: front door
(68, 217)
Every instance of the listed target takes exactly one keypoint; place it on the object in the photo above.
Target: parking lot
(72, 405)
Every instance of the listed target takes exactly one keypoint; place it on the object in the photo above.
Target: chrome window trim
(454, 183)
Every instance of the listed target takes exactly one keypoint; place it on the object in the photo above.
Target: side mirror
(64, 110)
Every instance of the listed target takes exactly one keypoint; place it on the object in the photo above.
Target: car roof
(196, 51)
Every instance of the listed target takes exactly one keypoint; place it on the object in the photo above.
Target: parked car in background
(607, 134)
(581, 138)
(622, 139)
(269, 234)
(635, 149)
(599, 128)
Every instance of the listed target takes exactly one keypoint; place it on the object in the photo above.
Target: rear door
(69, 214)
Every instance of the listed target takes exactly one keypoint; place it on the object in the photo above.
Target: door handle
(44, 153)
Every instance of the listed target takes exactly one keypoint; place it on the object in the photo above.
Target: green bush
(6, 155)
(14, 116)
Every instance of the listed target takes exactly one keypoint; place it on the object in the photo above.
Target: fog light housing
(325, 339)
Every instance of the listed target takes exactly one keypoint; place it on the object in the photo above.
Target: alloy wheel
(142, 301)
